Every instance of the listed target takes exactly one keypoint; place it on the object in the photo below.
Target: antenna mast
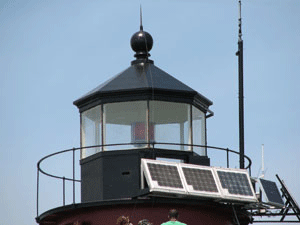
(241, 91)
(262, 161)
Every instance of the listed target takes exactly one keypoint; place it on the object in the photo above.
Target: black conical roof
(141, 77)
(142, 81)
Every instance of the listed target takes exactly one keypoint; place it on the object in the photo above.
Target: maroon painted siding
(156, 213)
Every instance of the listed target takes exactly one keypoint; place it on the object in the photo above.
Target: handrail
(53, 154)
(152, 144)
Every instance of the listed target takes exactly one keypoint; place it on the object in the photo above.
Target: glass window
(90, 131)
(125, 122)
(198, 131)
(171, 124)
(170, 160)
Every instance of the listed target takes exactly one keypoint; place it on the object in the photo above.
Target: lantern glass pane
(171, 124)
(90, 131)
(199, 131)
(125, 123)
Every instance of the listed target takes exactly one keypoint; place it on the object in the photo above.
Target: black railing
(150, 145)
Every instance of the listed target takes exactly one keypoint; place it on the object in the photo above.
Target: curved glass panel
(198, 131)
(171, 124)
(90, 131)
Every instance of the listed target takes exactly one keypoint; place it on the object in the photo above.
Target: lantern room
(141, 123)
(143, 105)
(143, 112)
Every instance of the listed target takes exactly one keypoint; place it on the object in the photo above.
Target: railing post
(64, 191)
(227, 150)
(73, 175)
(37, 192)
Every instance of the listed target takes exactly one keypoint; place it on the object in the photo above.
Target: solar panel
(195, 180)
(200, 180)
(236, 184)
(163, 176)
(271, 193)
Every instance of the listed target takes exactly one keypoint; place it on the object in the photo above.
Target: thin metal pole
(241, 92)
(141, 18)
(235, 215)
(37, 193)
(262, 161)
(64, 191)
(102, 128)
(191, 129)
(227, 157)
(205, 127)
(73, 175)
(148, 124)
(241, 107)
(81, 136)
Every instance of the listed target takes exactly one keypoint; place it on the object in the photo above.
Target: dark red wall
(156, 213)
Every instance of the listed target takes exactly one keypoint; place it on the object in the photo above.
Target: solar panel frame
(270, 192)
(187, 187)
(159, 182)
(240, 189)
(208, 187)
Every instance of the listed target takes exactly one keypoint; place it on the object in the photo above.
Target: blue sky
(53, 52)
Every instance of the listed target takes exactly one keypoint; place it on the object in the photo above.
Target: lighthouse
(144, 151)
